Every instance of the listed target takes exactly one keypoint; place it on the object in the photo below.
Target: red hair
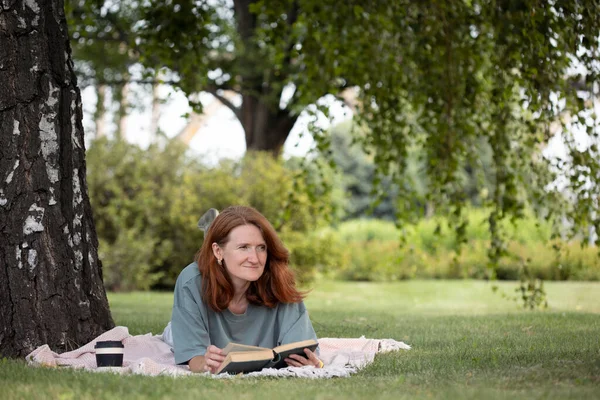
(277, 283)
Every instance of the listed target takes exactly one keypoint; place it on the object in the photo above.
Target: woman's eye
(262, 248)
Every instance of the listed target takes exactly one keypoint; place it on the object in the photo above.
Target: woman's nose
(253, 255)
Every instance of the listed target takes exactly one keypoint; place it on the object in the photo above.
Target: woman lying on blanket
(239, 289)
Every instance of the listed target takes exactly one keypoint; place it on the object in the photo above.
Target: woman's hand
(209, 362)
(296, 360)
(213, 359)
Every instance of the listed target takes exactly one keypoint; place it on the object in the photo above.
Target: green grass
(467, 343)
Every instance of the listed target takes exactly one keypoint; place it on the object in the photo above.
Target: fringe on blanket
(150, 355)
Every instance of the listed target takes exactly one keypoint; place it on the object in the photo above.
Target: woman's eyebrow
(263, 243)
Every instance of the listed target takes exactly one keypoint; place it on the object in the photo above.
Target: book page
(231, 347)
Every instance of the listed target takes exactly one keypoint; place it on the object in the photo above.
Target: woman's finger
(292, 363)
(213, 349)
(301, 359)
(310, 355)
(314, 360)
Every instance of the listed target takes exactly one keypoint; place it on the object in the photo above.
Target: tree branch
(292, 18)
(120, 82)
(245, 20)
(225, 101)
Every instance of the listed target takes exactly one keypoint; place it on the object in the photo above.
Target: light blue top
(195, 326)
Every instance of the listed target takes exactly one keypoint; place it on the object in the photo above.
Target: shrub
(146, 204)
(128, 261)
(374, 253)
(314, 252)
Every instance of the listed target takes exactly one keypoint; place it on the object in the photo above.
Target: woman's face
(244, 254)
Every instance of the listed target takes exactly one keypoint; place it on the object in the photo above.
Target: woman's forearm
(197, 363)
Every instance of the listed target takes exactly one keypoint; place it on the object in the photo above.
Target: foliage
(129, 260)
(102, 39)
(313, 252)
(105, 53)
(368, 194)
(372, 252)
(445, 77)
(449, 77)
(147, 202)
(481, 70)
(357, 173)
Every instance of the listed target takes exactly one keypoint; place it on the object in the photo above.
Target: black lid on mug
(108, 343)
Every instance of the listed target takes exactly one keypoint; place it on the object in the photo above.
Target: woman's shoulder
(188, 287)
(296, 308)
(189, 275)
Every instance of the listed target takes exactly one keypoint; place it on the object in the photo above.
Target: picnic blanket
(149, 355)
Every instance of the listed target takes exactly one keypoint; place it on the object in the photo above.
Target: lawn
(467, 343)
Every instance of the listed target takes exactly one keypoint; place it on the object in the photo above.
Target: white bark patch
(22, 24)
(67, 68)
(33, 223)
(52, 200)
(16, 130)
(3, 200)
(18, 257)
(32, 4)
(91, 259)
(32, 259)
(74, 137)
(78, 259)
(77, 200)
(77, 221)
(10, 176)
(24, 245)
(77, 195)
(48, 135)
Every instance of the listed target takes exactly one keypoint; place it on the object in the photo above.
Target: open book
(243, 358)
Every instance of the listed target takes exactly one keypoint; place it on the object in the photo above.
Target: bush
(128, 261)
(374, 252)
(313, 252)
(146, 204)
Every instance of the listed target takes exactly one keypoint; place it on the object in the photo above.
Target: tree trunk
(51, 287)
(155, 116)
(100, 113)
(266, 126)
(123, 111)
(265, 129)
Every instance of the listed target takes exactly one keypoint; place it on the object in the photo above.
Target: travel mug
(109, 353)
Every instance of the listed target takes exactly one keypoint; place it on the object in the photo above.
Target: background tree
(103, 44)
(357, 176)
(466, 72)
(51, 287)
(443, 76)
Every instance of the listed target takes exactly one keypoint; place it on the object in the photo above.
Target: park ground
(468, 342)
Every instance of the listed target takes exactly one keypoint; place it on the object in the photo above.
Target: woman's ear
(217, 251)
